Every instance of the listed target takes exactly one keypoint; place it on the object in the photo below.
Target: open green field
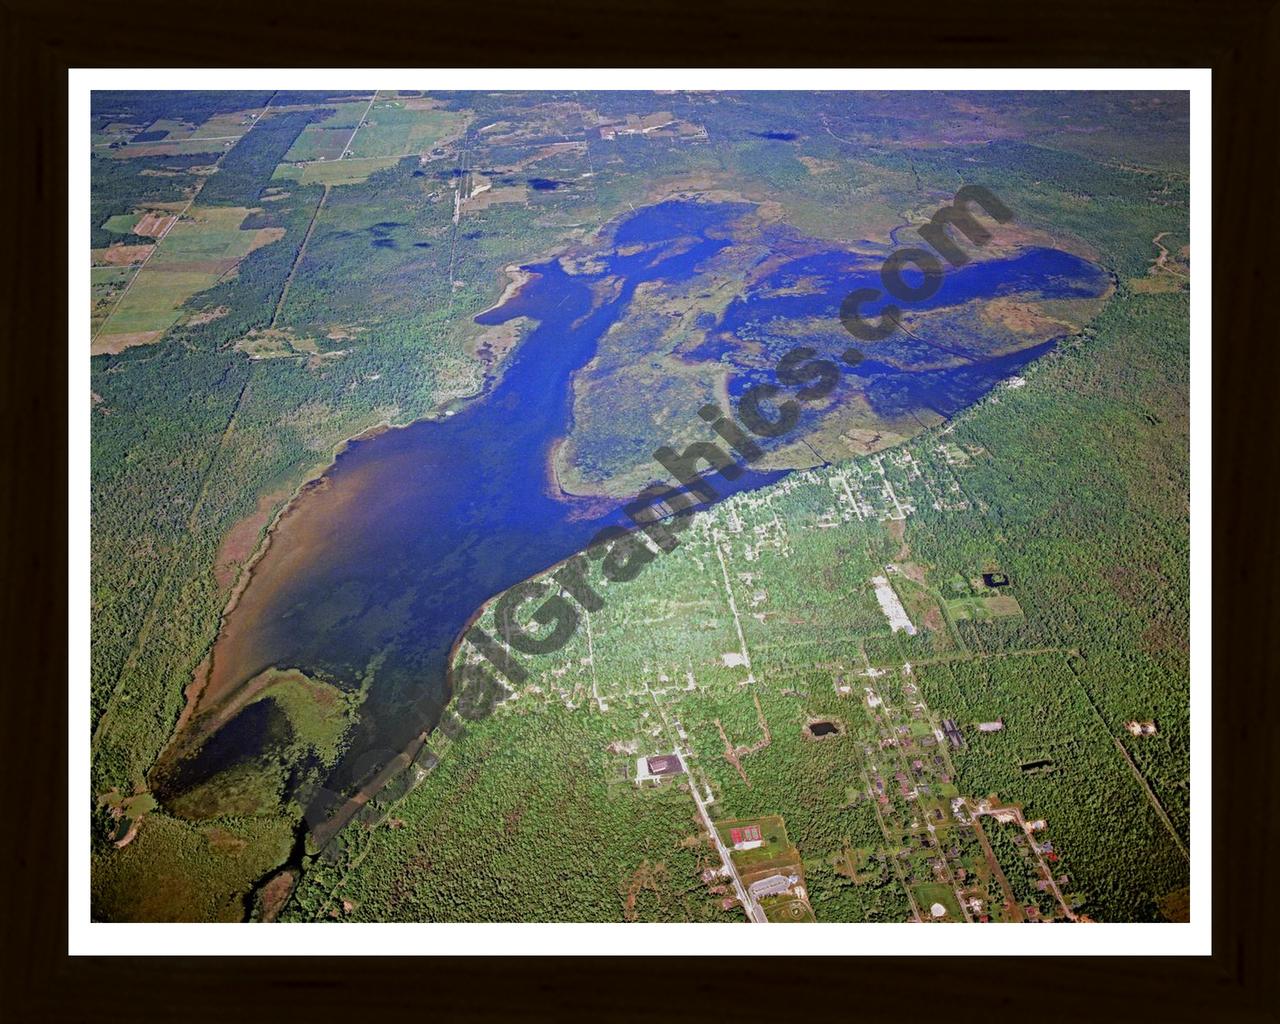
(394, 129)
(122, 223)
(317, 143)
(983, 606)
(350, 171)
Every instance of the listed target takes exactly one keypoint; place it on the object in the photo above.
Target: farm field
(371, 372)
(398, 127)
(202, 246)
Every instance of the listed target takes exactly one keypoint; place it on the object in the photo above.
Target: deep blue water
(901, 373)
(416, 528)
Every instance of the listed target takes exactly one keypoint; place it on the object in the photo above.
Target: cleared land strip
(1151, 796)
(297, 260)
(755, 913)
(891, 842)
(733, 607)
(1142, 780)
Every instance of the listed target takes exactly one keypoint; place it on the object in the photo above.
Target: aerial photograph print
(681, 506)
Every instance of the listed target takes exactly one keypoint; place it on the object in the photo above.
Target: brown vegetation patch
(341, 332)
(1176, 906)
(1157, 284)
(265, 236)
(221, 841)
(646, 876)
(210, 316)
(121, 255)
(153, 224)
(1165, 637)
(1021, 317)
(933, 620)
(491, 196)
(241, 540)
(897, 529)
(114, 344)
(913, 571)
(271, 899)
(816, 166)
(492, 345)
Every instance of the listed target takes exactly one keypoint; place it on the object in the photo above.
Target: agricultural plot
(121, 223)
(204, 245)
(319, 143)
(350, 171)
(341, 112)
(397, 127)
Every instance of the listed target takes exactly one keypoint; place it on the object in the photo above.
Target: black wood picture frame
(1238, 39)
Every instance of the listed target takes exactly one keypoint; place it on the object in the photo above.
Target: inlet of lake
(382, 564)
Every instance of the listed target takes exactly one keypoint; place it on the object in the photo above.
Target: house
(952, 732)
(995, 726)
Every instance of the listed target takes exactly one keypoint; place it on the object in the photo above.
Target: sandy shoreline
(313, 480)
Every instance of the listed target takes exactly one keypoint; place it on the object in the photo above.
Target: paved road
(753, 909)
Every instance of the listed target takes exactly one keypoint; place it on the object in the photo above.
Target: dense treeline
(246, 170)
(144, 106)
(529, 818)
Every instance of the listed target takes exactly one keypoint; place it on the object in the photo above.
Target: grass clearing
(393, 129)
(981, 607)
(318, 143)
(122, 223)
(351, 171)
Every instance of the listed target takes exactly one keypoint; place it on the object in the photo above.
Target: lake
(379, 567)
